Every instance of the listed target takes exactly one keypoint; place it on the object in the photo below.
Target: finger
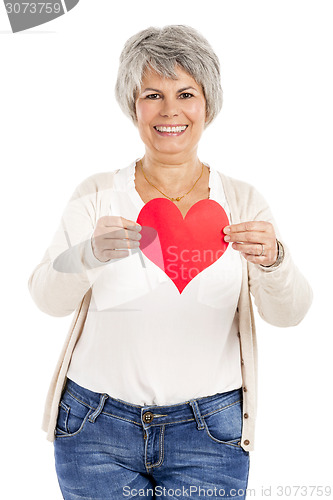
(114, 254)
(254, 225)
(267, 256)
(130, 224)
(119, 244)
(254, 259)
(245, 237)
(117, 221)
(116, 233)
(113, 244)
(255, 250)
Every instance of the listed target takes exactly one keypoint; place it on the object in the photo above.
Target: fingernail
(227, 229)
(227, 238)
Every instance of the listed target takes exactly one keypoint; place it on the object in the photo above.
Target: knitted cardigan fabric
(281, 294)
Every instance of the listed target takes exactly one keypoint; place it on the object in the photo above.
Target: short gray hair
(163, 49)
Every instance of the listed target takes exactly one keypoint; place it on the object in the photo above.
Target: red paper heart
(182, 248)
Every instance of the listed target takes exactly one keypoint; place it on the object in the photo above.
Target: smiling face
(171, 114)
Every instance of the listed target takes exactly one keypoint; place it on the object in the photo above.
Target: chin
(170, 151)
(170, 148)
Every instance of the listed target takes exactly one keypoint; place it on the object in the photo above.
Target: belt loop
(197, 414)
(100, 407)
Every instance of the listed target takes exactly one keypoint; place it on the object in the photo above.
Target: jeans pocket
(72, 416)
(225, 425)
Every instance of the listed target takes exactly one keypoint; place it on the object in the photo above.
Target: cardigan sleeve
(282, 294)
(69, 267)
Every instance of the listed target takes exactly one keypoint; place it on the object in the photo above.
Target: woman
(155, 390)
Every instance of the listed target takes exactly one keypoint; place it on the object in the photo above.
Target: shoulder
(235, 186)
(243, 197)
(95, 184)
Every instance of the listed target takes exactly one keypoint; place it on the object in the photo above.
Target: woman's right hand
(113, 237)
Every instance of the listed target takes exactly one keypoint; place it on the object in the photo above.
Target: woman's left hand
(256, 240)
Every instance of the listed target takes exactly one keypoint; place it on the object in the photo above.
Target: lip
(170, 134)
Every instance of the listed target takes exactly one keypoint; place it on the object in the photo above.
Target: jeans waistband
(158, 415)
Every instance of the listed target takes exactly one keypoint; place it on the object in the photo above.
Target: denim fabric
(106, 448)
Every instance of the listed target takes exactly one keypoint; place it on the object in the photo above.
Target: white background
(60, 123)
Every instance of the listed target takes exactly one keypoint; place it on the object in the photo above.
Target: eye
(186, 95)
(153, 96)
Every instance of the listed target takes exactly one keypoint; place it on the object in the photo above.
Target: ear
(206, 119)
(134, 115)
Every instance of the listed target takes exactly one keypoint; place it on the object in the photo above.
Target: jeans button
(148, 417)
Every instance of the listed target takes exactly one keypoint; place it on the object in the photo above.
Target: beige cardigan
(282, 295)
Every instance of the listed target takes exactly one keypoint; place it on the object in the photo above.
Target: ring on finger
(262, 250)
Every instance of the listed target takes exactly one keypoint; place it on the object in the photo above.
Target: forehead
(154, 80)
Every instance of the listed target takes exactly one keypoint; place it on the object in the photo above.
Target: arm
(281, 293)
(60, 281)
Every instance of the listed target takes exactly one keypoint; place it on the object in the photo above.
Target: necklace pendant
(178, 198)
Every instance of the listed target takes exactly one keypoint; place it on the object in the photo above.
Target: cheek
(139, 114)
(143, 116)
(197, 111)
(143, 113)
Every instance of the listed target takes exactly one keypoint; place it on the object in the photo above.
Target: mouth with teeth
(170, 130)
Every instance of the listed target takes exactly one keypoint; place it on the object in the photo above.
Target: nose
(170, 108)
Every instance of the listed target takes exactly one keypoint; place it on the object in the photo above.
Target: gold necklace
(170, 198)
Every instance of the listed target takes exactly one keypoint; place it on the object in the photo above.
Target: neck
(172, 174)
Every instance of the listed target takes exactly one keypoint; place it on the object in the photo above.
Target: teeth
(171, 129)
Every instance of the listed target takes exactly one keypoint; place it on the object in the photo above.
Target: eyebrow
(178, 91)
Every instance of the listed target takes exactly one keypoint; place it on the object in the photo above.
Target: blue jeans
(106, 448)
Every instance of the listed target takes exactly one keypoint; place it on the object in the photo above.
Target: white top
(145, 343)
